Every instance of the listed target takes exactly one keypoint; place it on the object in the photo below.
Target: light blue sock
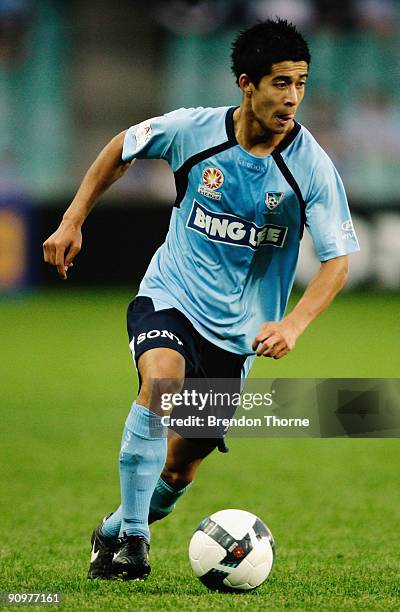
(111, 526)
(163, 500)
(142, 457)
(162, 503)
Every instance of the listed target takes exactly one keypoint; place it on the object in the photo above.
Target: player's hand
(62, 246)
(276, 339)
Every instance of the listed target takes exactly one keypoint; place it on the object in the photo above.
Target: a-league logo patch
(273, 199)
(213, 178)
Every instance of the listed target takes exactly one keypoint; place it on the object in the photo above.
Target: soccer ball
(232, 550)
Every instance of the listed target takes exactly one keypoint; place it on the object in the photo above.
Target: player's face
(278, 95)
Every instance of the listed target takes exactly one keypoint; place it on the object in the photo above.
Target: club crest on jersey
(212, 179)
(273, 199)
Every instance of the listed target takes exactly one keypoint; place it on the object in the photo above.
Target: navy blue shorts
(169, 328)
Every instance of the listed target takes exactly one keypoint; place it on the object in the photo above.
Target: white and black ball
(232, 550)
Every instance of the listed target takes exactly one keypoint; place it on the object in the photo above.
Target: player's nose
(292, 96)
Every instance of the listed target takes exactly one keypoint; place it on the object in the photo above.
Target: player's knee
(157, 393)
(163, 374)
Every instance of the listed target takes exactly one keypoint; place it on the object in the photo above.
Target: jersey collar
(230, 131)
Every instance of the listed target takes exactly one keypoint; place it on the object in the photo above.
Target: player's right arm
(62, 246)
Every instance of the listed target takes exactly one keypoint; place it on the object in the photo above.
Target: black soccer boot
(132, 559)
(103, 549)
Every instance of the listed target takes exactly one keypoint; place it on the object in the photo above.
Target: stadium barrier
(16, 238)
(120, 241)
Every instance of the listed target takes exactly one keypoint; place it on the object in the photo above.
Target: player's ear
(245, 85)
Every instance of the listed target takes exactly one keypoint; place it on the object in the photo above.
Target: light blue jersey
(229, 259)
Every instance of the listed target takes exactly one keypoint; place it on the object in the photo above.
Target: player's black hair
(266, 43)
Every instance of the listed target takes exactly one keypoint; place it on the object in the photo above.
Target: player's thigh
(184, 458)
(162, 371)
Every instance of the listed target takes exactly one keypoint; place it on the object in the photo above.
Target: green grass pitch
(333, 505)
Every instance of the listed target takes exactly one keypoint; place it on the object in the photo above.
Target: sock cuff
(145, 423)
(163, 486)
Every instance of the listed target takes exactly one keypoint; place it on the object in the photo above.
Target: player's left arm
(277, 338)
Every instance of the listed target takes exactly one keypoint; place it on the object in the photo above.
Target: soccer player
(248, 179)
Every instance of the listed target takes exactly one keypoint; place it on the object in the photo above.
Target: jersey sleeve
(158, 138)
(328, 217)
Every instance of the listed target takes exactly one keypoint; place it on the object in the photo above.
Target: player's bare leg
(162, 370)
(183, 460)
